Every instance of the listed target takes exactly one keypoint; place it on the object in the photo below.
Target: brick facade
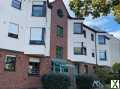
(56, 20)
(20, 78)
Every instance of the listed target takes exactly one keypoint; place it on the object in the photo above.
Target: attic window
(60, 13)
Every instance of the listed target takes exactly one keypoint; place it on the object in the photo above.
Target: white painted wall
(102, 47)
(74, 40)
(25, 20)
(114, 50)
(112, 47)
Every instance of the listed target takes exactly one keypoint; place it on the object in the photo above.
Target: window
(60, 13)
(16, 4)
(59, 52)
(101, 39)
(13, 30)
(34, 64)
(84, 33)
(93, 54)
(10, 62)
(77, 28)
(84, 51)
(37, 36)
(39, 9)
(102, 55)
(86, 69)
(59, 31)
(92, 37)
(59, 67)
(77, 50)
(77, 68)
(80, 51)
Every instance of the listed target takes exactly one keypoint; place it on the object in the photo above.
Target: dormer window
(39, 9)
(16, 4)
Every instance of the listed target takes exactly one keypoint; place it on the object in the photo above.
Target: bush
(104, 74)
(116, 71)
(55, 81)
(84, 81)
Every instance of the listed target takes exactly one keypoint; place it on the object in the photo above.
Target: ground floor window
(34, 65)
(86, 69)
(59, 67)
(77, 69)
(10, 62)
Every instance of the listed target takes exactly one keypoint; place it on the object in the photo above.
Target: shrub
(116, 71)
(104, 74)
(55, 81)
(84, 81)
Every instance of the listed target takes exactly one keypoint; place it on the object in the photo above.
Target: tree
(96, 7)
(116, 67)
(116, 10)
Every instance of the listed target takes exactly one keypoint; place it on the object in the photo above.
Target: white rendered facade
(25, 21)
(75, 40)
(111, 48)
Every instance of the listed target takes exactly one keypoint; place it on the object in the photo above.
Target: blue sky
(106, 23)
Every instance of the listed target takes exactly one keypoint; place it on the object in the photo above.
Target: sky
(106, 23)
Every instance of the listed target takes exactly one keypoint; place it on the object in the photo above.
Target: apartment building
(24, 43)
(38, 37)
(81, 46)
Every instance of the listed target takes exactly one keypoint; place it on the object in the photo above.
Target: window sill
(6, 70)
(34, 75)
(38, 16)
(78, 33)
(13, 35)
(103, 59)
(102, 43)
(81, 54)
(34, 42)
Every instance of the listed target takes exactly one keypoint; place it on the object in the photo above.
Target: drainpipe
(96, 49)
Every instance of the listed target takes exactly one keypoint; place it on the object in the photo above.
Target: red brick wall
(91, 68)
(20, 79)
(56, 20)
